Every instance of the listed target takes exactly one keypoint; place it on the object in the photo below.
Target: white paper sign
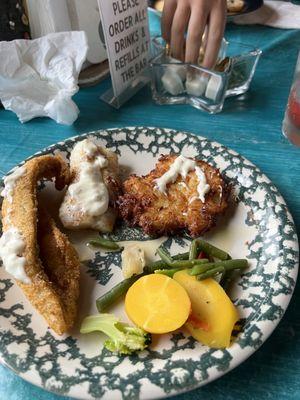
(126, 32)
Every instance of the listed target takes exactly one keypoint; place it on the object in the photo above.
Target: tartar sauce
(12, 247)
(182, 166)
(10, 181)
(203, 187)
(89, 192)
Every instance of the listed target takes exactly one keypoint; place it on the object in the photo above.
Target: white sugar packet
(39, 77)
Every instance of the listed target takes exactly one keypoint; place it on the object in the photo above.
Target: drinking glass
(291, 122)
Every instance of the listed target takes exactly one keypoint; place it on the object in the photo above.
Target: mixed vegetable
(175, 291)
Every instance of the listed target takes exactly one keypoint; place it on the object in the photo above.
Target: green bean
(168, 272)
(198, 269)
(201, 268)
(150, 268)
(178, 263)
(105, 243)
(193, 250)
(181, 256)
(115, 293)
(188, 263)
(228, 265)
(164, 255)
(210, 273)
(211, 250)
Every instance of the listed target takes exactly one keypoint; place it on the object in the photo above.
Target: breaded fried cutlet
(177, 208)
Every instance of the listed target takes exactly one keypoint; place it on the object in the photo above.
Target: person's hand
(194, 17)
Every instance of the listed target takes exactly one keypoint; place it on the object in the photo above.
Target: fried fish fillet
(179, 208)
(51, 263)
(95, 186)
(62, 267)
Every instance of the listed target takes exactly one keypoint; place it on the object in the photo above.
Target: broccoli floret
(123, 338)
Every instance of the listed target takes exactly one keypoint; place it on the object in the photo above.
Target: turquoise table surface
(251, 125)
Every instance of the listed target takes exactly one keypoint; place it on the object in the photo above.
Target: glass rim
(252, 50)
(193, 66)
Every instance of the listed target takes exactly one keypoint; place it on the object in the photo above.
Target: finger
(215, 35)
(196, 29)
(179, 26)
(167, 18)
(204, 41)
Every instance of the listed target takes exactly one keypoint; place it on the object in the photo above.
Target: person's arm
(192, 17)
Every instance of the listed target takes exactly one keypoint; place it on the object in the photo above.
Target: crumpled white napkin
(38, 77)
(278, 14)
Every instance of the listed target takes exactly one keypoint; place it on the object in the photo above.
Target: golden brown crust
(23, 215)
(158, 214)
(61, 265)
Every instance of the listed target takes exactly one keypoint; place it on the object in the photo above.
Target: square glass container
(174, 82)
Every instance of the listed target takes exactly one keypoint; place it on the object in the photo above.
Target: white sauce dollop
(12, 244)
(89, 192)
(182, 166)
(10, 181)
(11, 252)
(203, 187)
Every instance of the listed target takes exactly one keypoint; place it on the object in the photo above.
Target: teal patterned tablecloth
(251, 125)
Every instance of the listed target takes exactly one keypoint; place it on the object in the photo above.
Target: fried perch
(159, 214)
(58, 268)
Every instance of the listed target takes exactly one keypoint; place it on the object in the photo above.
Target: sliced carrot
(198, 323)
(157, 303)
